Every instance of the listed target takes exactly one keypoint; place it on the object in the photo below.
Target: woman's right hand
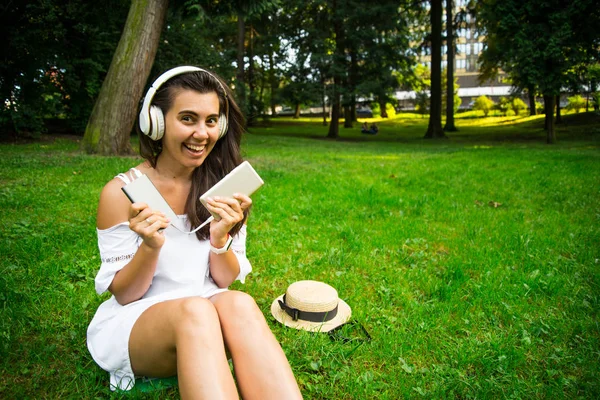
(148, 224)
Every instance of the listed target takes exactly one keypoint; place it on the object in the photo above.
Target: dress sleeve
(238, 245)
(118, 244)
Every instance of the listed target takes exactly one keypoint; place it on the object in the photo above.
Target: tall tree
(434, 130)
(538, 41)
(450, 127)
(240, 83)
(339, 60)
(110, 125)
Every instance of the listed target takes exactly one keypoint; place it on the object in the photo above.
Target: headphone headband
(145, 113)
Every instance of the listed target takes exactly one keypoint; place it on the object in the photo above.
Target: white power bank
(143, 190)
(242, 179)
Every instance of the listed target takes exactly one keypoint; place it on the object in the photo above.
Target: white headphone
(152, 120)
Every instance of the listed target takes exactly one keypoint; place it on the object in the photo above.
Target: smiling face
(191, 128)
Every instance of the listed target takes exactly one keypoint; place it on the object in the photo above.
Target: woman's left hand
(231, 211)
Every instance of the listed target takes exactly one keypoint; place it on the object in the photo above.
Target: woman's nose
(201, 131)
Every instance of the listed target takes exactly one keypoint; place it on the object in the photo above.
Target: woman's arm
(134, 279)
(225, 267)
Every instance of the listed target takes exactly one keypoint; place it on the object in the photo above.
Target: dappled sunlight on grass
(411, 127)
(499, 120)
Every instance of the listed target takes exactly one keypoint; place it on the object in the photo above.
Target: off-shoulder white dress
(182, 270)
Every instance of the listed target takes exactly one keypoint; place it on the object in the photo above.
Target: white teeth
(194, 148)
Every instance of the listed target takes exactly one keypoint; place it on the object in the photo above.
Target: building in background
(469, 45)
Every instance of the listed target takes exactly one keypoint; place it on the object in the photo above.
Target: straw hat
(312, 306)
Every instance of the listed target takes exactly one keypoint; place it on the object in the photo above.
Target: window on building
(471, 65)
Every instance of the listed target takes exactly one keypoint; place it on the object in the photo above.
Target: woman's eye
(187, 118)
(212, 120)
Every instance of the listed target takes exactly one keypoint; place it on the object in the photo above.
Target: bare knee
(237, 308)
(196, 316)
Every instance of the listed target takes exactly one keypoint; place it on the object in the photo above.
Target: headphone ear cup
(157, 123)
(222, 125)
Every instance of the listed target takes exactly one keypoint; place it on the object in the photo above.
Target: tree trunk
(272, 81)
(252, 103)
(558, 116)
(347, 116)
(108, 131)
(450, 127)
(240, 81)
(339, 56)
(587, 99)
(261, 90)
(334, 129)
(383, 110)
(531, 95)
(352, 85)
(297, 111)
(549, 106)
(434, 130)
(323, 101)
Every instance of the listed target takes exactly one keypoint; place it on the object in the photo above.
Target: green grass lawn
(473, 262)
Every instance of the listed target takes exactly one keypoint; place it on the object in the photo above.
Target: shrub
(539, 107)
(483, 103)
(504, 105)
(376, 108)
(391, 111)
(518, 105)
(596, 101)
(422, 102)
(575, 103)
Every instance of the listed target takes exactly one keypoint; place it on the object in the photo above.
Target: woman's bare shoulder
(113, 207)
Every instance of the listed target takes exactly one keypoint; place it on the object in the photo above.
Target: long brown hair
(225, 154)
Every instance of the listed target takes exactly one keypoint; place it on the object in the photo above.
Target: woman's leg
(261, 368)
(183, 337)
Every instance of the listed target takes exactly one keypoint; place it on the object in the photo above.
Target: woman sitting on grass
(171, 312)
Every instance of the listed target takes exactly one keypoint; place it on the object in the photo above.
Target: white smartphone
(143, 190)
(242, 179)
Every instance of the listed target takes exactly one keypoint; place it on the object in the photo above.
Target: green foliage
(539, 106)
(422, 86)
(518, 105)
(511, 106)
(456, 99)
(189, 39)
(484, 104)
(537, 42)
(575, 103)
(422, 102)
(504, 105)
(57, 55)
(596, 100)
(422, 82)
(376, 108)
